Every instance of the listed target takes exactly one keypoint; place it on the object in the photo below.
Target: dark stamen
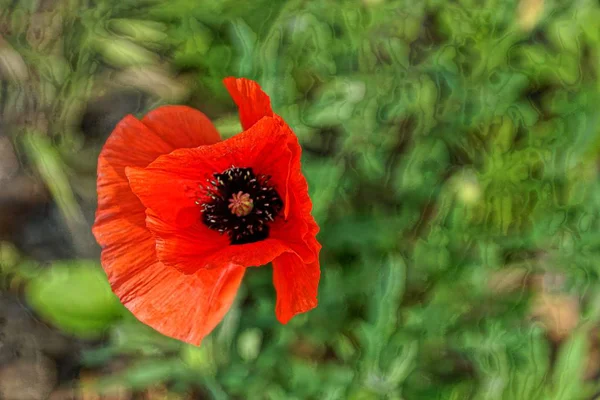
(241, 205)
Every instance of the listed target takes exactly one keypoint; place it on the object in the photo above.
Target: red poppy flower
(181, 214)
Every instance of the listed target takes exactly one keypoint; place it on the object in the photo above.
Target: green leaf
(570, 367)
(244, 41)
(76, 297)
(46, 159)
(249, 343)
(124, 53)
(139, 30)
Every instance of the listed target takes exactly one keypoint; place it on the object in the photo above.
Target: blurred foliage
(75, 297)
(452, 153)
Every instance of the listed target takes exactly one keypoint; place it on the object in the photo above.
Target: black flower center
(241, 205)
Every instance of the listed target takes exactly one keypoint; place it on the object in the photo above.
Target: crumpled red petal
(296, 284)
(181, 126)
(115, 199)
(252, 102)
(181, 306)
(176, 203)
(185, 307)
(296, 277)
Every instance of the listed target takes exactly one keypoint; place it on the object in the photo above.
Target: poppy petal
(297, 238)
(116, 214)
(197, 247)
(114, 193)
(252, 102)
(177, 200)
(181, 126)
(185, 307)
(181, 306)
(184, 248)
(128, 133)
(265, 147)
(300, 229)
(296, 284)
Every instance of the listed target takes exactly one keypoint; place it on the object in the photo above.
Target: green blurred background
(452, 149)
